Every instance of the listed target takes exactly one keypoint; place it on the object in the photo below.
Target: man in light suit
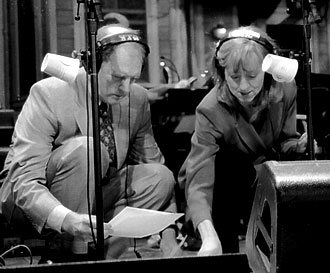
(46, 171)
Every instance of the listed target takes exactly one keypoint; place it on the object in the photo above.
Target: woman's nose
(244, 84)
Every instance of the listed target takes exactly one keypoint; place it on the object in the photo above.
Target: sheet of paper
(138, 223)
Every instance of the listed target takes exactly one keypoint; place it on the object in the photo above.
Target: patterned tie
(106, 131)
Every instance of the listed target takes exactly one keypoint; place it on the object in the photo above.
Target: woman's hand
(211, 244)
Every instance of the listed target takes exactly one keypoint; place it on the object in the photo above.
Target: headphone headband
(123, 38)
(247, 34)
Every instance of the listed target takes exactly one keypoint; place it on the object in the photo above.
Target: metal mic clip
(75, 54)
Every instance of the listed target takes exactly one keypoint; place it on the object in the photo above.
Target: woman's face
(245, 81)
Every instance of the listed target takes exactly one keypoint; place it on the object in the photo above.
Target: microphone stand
(307, 71)
(93, 16)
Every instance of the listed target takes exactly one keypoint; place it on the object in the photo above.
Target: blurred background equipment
(218, 32)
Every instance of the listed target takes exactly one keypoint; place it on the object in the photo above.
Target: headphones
(250, 35)
(247, 34)
(110, 41)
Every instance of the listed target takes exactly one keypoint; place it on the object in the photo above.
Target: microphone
(77, 17)
(95, 7)
(315, 11)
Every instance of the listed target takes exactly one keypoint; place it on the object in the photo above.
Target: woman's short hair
(243, 43)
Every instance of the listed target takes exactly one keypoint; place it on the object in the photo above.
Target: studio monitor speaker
(289, 226)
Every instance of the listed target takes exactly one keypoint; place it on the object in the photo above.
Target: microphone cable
(88, 163)
(137, 253)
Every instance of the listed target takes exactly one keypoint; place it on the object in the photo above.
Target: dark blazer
(221, 126)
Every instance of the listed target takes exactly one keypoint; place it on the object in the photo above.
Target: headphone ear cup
(87, 59)
(144, 63)
(99, 59)
(219, 69)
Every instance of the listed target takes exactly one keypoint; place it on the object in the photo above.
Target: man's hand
(79, 226)
(169, 244)
(158, 92)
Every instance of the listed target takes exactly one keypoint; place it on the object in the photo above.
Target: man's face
(118, 73)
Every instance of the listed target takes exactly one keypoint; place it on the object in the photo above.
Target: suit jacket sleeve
(31, 148)
(199, 165)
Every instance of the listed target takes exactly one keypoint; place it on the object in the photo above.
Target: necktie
(106, 131)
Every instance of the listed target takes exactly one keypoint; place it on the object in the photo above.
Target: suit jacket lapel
(276, 117)
(249, 136)
(81, 118)
(79, 110)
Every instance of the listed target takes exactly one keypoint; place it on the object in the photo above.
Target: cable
(2, 261)
(138, 255)
(88, 170)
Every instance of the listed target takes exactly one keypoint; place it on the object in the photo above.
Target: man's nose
(125, 85)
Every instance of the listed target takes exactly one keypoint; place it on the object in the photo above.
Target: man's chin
(115, 99)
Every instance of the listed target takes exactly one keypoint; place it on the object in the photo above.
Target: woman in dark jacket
(246, 119)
